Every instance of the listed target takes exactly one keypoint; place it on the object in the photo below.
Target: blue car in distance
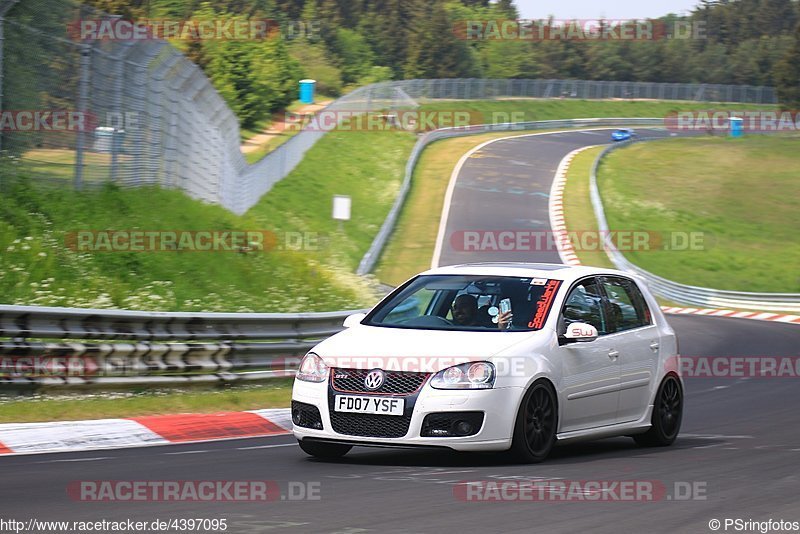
(622, 134)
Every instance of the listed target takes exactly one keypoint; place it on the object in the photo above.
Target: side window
(626, 306)
(642, 310)
(584, 305)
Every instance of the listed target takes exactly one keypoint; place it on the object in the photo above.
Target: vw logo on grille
(374, 379)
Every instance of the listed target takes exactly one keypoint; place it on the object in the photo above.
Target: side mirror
(580, 332)
(353, 320)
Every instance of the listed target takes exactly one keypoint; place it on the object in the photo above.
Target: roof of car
(542, 270)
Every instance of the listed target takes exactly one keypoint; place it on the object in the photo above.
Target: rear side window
(627, 308)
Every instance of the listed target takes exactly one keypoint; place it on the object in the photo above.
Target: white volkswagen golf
(493, 357)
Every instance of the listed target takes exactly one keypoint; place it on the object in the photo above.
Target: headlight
(478, 375)
(312, 369)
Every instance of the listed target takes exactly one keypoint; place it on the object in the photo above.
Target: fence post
(116, 107)
(4, 8)
(83, 96)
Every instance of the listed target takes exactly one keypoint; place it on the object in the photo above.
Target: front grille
(373, 426)
(306, 415)
(395, 382)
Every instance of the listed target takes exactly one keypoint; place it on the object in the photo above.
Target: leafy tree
(255, 77)
(787, 75)
(315, 62)
(435, 50)
(363, 41)
(355, 55)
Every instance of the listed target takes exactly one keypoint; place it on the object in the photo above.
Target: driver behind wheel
(465, 313)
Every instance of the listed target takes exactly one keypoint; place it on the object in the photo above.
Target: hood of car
(401, 349)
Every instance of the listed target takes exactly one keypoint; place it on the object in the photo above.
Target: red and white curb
(712, 312)
(567, 252)
(71, 436)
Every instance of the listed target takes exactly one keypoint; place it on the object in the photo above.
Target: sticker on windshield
(538, 281)
(544, 303)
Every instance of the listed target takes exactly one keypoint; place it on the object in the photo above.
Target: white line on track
(708, 446)
(184, 452)
(267, 446)
(714, 436)
(78, 460)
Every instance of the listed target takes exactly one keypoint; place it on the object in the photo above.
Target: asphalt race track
(506, 186)
(736, 458)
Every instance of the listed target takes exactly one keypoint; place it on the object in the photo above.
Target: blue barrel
(737, 126)
(307, 91)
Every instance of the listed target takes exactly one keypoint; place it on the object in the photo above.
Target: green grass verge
(578, 212)
(36, 268)
(273, 143)
(265, 122)
(257, 128)
(742, 194)
(275, 394)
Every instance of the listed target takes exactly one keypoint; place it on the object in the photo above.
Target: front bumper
(499, 406)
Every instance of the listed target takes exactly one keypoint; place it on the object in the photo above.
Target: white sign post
(341, 208)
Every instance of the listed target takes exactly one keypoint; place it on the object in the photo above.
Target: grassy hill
(38, 266)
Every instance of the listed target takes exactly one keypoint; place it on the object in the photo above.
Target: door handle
(654, 346)
(613, 354)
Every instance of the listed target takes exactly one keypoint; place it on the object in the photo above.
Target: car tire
(536, 424)
(327, 451)
(667, 415)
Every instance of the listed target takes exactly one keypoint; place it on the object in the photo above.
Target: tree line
(355, 42)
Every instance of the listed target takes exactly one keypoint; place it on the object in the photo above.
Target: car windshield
(467, 302)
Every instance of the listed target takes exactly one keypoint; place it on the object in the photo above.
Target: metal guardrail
(372, 255)
(152, 348)
(681, 293)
